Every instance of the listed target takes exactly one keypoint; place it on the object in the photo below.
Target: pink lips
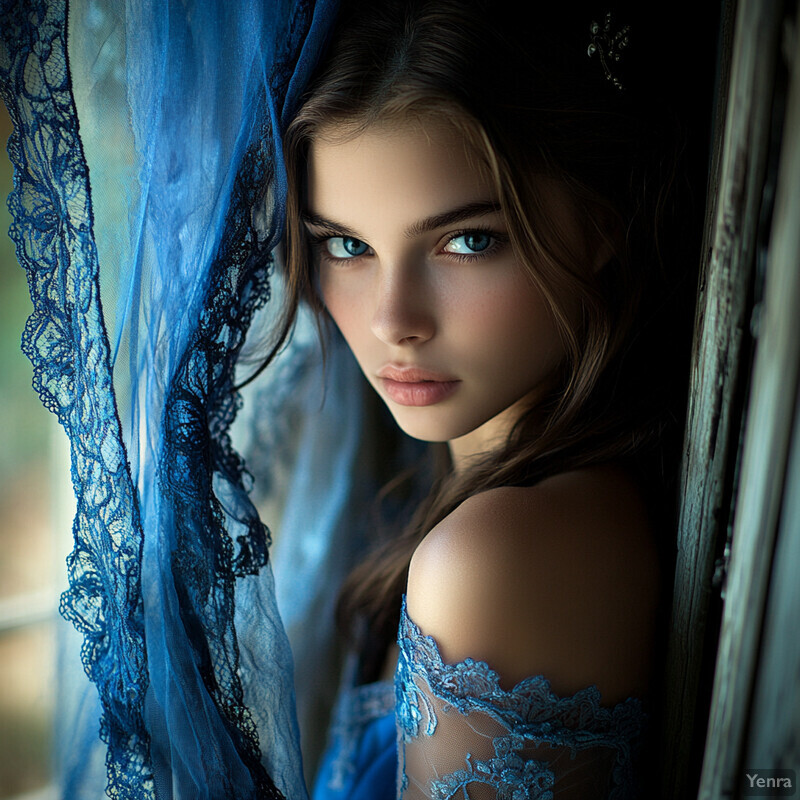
(412, 386)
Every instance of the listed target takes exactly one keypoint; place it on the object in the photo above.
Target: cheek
(510, 325)
(344, 305)
(330, 293)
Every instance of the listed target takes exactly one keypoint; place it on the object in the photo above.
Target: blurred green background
(27, 553)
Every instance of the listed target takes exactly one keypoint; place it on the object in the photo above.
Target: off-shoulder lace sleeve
(462, 736)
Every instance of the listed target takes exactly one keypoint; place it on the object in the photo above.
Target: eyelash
(318, 244)
(318, 240)
(498, 241)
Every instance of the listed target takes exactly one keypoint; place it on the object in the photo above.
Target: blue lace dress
(450, 731)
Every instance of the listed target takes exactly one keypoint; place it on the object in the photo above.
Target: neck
(486, 439)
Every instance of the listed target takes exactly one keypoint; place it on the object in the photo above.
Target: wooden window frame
(729, 672)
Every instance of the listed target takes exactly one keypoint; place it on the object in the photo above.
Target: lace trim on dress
(531, 713)
(509, 774)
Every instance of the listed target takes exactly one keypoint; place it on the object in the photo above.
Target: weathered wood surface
(774, 731)
(763, 596)
(723, 318)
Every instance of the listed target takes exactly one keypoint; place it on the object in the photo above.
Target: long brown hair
(536, 109)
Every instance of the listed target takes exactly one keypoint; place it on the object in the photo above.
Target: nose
(403, 309)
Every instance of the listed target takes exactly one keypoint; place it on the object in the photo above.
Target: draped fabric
(148, 201)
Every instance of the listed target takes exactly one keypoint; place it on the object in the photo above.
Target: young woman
(480, 201)
(483, 200)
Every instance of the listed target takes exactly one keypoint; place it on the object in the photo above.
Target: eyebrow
(432, 223)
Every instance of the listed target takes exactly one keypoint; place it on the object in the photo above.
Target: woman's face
(416, 270)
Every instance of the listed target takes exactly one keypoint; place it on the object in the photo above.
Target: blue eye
(466, 243)
(345, 247)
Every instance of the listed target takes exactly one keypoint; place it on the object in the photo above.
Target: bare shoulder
(559, 579)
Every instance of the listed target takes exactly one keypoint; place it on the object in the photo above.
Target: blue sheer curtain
(148, 200)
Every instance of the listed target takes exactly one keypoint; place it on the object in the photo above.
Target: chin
(423, 432)
(427, 428)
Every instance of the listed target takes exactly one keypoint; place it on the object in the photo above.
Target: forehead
(402, 171)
